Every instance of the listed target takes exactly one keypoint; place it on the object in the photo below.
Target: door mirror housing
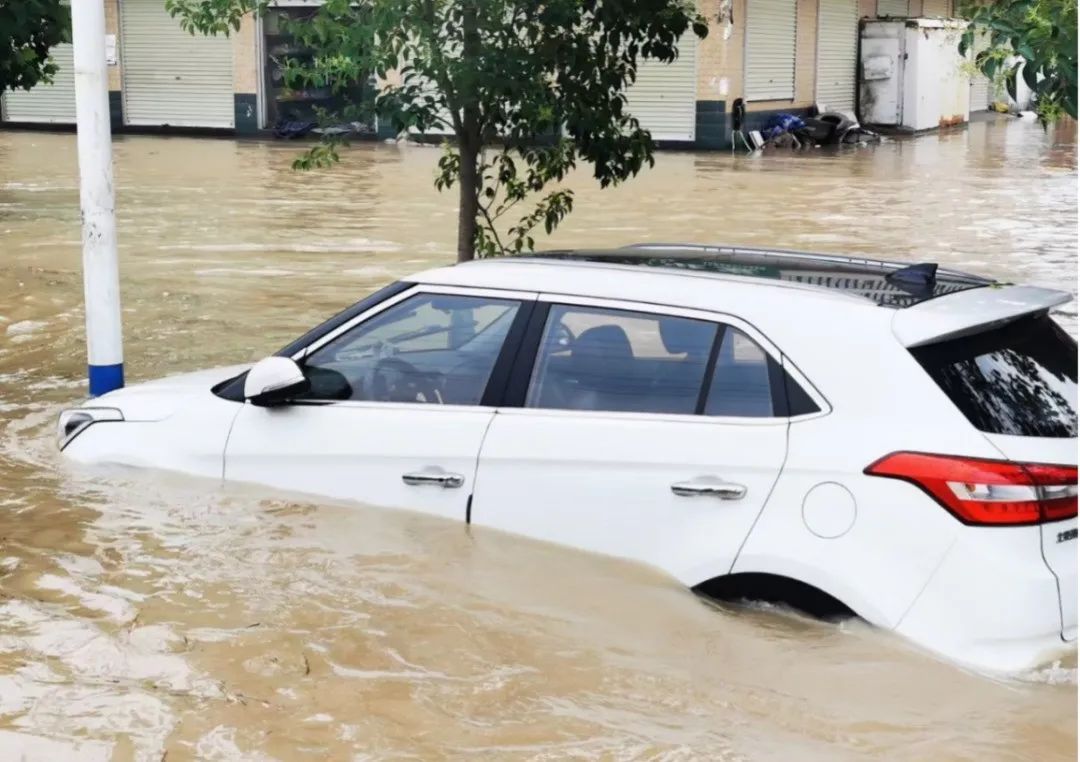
(274, 381)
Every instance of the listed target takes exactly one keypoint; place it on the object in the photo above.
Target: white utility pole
(101, 273)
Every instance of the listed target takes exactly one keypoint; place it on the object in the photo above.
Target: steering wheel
(394, 380)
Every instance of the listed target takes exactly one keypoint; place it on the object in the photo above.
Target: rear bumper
(992, 603)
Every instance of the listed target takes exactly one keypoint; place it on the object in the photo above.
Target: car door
(638, 431)
(398, 406)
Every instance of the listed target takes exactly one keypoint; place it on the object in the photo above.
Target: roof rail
(766, 253)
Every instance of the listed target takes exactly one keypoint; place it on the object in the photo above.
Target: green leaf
(1031, 77)
(1010, 81)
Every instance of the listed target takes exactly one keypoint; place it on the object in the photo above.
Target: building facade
(778, 56)
(159, 76)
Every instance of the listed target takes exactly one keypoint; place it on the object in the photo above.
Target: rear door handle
(709, 486)
(434, 477)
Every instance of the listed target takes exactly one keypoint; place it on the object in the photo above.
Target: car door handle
(709, 487)
(434, 477)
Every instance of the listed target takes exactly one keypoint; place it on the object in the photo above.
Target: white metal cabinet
(912, 75)
(362, 451)
(173, 78)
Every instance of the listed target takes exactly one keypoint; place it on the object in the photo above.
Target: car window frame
(496, 383)
(521, 374)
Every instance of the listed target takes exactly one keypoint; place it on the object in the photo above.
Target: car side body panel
(603, 482)
(362, 451)
(179, 426)
(988, 605)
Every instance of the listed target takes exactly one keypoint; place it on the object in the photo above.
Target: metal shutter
(892, 8)
(172, 77)
(838, 43)
(53, 103)
(980, 93)
(935, 8)
(663, 98)
(770, 50)
(980, 84)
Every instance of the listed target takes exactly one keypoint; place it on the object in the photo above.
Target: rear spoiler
(953, 315)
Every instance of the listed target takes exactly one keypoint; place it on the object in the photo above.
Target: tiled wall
(112, 26)
(720, 61)
(245, 57)
(247, 68)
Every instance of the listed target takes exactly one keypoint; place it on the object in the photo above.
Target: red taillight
(987, 492)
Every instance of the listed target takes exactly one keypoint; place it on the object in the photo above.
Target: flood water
(151, 617)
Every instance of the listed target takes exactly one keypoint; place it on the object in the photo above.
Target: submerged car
(846, 435)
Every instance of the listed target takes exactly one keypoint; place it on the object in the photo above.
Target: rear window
(1017, 379)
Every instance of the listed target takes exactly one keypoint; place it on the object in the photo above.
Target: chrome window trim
(419, 288)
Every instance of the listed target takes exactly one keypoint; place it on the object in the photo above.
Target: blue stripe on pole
(105, 378)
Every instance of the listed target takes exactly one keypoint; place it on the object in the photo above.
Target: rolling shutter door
(892, 8)
(935, 8)
(980, 93)
(980, 84)
(770, 50)
(171, 77)
(838, 32)
(53, 103)
(663, 98)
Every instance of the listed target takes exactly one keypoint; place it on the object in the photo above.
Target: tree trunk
(468, 205)
(469, 143)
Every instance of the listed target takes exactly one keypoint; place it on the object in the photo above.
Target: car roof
(599, 273)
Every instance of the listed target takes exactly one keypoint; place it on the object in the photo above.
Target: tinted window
(430, 348)
(1018, 379)
(600, 359)
(741, 383)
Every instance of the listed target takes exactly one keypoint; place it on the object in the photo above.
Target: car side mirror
(274, 381)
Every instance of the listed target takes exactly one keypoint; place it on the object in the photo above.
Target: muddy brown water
(147, 616)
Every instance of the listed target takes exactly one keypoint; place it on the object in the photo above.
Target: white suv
(840, 434)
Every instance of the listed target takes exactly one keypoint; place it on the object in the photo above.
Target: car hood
(158, 399)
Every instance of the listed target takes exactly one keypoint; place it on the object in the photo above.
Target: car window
(430, 348)
(740, 384)
(615, 360)
(1018, 379)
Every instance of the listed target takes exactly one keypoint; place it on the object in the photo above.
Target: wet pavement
(147, 616)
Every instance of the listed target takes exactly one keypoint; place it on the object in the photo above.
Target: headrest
(682, 336)
(603, 342)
